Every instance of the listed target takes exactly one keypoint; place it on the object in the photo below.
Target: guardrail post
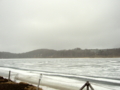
(39, 81)
(15, 77)
(9, 75)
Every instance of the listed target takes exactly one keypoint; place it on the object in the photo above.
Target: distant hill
(72, 53)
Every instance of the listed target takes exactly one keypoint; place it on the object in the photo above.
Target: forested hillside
(72, 53)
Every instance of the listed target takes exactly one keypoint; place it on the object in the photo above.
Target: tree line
(71, 53)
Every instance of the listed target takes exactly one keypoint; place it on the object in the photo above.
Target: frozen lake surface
(66, 72)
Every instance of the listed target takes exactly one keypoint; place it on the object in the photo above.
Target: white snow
(47, 82)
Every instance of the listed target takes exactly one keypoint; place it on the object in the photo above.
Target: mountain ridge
(71, 53)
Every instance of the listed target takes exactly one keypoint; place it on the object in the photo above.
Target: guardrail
(87, 85)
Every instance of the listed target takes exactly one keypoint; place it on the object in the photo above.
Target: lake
(100, 71)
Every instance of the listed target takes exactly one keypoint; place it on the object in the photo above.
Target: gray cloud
(58, 24)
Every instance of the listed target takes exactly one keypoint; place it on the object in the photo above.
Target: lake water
(101, 71)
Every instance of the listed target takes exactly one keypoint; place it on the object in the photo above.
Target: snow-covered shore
(48, 82)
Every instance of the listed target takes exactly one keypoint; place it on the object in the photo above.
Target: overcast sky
(26, 25)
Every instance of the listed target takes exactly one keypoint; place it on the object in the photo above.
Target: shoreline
(59, 57)
(6, 84)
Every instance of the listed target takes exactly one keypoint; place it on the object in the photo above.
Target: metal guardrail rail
(87, 85)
